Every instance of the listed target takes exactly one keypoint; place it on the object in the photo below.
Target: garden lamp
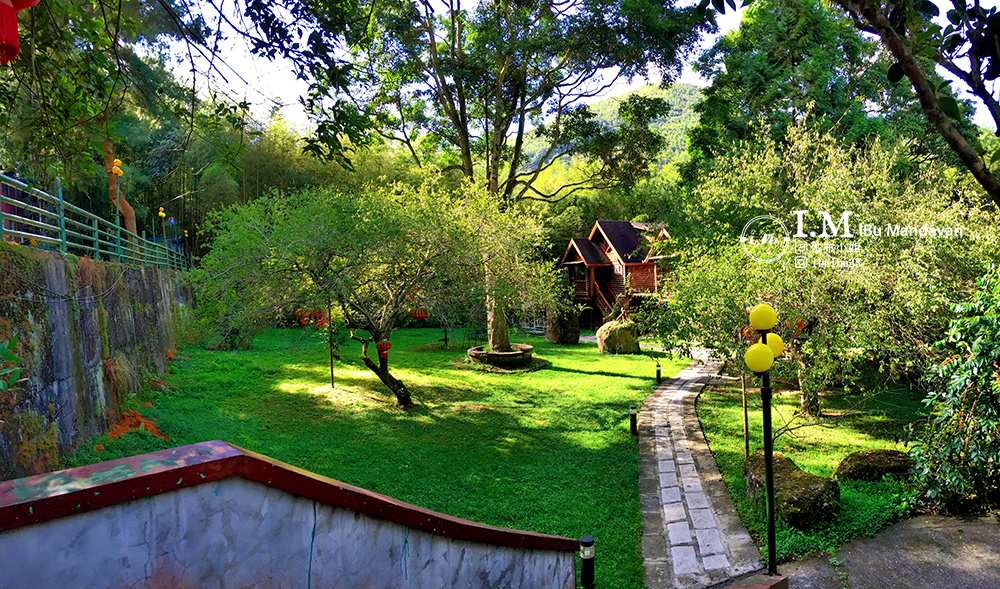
(759, 358)
(587, 562)
(117, 171)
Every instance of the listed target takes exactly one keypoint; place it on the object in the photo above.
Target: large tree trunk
(496, 326)
(496, 318)
(562, 327)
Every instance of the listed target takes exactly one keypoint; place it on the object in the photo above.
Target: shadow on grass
(534, 466)
(870, 421)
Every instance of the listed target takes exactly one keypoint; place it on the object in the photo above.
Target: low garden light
(587, 562)
(759, 358)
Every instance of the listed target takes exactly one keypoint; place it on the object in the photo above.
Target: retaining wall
(79, 324)
(214, 515)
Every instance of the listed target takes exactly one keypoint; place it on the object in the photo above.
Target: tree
(906, 30)
(365, 252)
(473, 81)
(882, 311)
(77, 63)
(790, 57)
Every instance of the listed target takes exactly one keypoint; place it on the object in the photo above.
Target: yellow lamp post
(163, 226)
(759, 358)
(117, 171)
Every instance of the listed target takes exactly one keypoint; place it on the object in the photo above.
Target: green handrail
(86, 234)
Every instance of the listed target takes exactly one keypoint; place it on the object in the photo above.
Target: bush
(958, 455)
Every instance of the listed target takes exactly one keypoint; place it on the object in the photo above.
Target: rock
(801, 499)
(562, 327)
(872, 465)
(618, 337)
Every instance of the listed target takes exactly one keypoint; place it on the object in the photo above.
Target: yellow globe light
(162, 214)
(759, 357)
(118, 162)
(763, 317)
(776, 344)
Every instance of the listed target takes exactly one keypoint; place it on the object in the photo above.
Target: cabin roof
(623, 237)
(586, 251)
(629, 240)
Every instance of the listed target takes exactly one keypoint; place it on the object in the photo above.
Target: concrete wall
(238, 533)
(77, 321)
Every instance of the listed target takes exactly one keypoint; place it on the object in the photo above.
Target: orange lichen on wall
(132, 421)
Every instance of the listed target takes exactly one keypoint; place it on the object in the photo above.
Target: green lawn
(867, 422)
(548, 451)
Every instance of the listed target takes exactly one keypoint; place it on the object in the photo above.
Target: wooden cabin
(615, 254)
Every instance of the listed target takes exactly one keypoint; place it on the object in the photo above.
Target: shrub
(958, 455)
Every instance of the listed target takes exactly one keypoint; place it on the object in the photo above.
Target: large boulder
(872, 465)
(801, 499)
(562, 327)
(618, 337)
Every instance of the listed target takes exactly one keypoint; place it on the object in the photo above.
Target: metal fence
(45, 221)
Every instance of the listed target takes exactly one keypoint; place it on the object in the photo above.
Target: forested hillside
(681, 97)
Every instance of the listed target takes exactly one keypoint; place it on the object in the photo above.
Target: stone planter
(519, 356)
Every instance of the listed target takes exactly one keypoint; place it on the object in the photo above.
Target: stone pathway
(691, 534)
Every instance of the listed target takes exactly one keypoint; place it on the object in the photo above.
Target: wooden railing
(603, 304)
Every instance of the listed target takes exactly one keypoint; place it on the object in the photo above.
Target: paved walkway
(691, 534)
(923, 551)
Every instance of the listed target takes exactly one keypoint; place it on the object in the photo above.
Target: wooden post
(746, 420)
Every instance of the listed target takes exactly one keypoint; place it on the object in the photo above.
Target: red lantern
(418, 313)
(9, 47)
(383, 347)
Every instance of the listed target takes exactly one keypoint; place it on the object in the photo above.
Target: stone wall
(213, 515)
(87, 331)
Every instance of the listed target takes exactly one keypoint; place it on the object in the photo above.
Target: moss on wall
(75, 317)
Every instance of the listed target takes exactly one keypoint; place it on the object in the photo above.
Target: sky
(268, 84)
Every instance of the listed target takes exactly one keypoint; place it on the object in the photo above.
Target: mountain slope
(680, 97)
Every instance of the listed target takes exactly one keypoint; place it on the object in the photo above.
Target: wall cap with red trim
(50, 496)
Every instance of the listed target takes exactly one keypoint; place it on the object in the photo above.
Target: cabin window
(619, 269)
